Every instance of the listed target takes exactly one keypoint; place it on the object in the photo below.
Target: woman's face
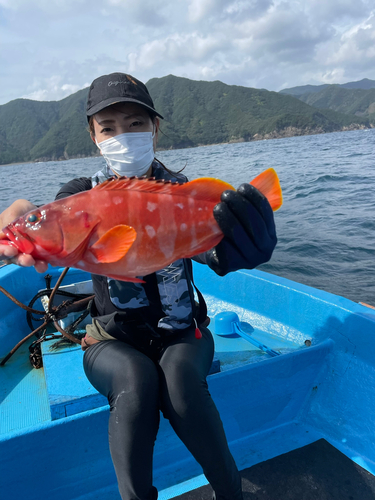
(123, 118)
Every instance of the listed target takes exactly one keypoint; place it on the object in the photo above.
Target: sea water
(326, 226)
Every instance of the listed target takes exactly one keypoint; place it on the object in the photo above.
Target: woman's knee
(121, 373)
(183, 391)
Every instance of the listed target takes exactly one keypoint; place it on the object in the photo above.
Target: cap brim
(113, 100)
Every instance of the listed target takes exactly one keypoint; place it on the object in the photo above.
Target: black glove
(246, 219)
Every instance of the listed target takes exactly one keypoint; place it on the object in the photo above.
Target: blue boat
(294, 366)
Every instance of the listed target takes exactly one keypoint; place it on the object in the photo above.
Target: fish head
(53, 230)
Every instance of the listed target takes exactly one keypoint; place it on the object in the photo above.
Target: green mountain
(364, 84)
(303, 89)
(344, 100)
(196, 113)
(37, 130)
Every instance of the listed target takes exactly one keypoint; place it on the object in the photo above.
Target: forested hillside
(196, 113)
(364, 84)
(351, 101)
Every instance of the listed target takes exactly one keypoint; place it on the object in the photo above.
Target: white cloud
(50, 89)
(176, 49)
(51, 48)
(350, 53)
(199, 9)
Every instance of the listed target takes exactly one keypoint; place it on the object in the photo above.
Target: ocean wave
(331, 178)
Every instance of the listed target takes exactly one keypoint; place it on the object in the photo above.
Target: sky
(50, 49)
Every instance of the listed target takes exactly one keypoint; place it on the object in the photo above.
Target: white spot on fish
(194, 242)
(151, 206)
(180, 205)
(183, 227)
(117, 200)
(167, 231)
(150, 231)
(166, 245)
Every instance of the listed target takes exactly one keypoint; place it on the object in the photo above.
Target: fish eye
(33, 218)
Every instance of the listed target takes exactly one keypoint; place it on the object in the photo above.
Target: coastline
(283, 134)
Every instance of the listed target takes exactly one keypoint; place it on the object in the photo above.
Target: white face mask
(129, 154)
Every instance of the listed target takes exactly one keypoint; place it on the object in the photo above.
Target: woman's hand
(88, 341)
(246, 219)
(8, 253)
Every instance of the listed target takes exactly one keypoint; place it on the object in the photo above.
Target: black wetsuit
(170, 378)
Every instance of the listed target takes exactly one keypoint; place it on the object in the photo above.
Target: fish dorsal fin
(205, 188)
(114, 244)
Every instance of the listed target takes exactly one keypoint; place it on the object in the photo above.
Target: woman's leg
(130, 381)
(188, 405)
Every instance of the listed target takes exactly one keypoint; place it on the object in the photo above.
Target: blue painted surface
(69, 392)
(23, 397)
(269, 406)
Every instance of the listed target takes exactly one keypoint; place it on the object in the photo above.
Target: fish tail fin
(269, 185)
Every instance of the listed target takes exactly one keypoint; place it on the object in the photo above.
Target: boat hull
(269, 406)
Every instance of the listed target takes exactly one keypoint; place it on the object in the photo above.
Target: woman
(148, 348)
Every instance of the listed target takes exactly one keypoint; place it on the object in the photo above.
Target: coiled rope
(53, 315)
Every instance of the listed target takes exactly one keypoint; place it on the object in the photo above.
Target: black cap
(117, 87)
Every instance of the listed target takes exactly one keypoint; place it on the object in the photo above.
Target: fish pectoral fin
(114, 244)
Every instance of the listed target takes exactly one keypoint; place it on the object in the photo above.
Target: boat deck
(315, 472)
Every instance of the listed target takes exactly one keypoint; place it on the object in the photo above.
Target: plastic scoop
(228, 323)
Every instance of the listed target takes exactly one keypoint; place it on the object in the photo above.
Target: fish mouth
(20, 241)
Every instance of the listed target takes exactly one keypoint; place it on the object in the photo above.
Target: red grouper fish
(129, 227)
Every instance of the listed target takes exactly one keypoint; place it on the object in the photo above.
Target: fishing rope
(52, 316)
